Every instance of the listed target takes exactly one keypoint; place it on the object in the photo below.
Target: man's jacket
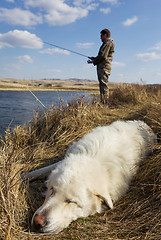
(105, 56)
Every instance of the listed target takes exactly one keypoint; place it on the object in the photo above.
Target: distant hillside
(48, 84)
(71, 84)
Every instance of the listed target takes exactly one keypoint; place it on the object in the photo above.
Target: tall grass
(44, 141)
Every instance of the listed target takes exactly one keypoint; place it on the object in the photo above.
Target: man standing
(103, 62)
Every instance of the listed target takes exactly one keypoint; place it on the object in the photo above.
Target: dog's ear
(107, 199)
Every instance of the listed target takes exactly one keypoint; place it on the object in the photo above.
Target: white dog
(94, 174)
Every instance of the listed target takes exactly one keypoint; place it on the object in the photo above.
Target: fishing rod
(66, 49)
(53, 45)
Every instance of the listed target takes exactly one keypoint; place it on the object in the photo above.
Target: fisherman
(103, 62)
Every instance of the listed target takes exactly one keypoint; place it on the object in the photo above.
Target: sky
(30, 28)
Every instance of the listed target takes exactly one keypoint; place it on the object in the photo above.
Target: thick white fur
(95, 172)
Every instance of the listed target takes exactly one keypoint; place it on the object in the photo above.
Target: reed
(44, 141)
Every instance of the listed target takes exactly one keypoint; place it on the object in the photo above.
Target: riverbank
(45, 140)
(11, 84)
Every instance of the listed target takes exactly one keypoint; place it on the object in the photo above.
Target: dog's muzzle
(39, 222)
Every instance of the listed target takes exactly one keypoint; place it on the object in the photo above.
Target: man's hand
(91, 59)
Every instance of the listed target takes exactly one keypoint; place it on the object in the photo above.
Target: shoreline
(47, 90)
(77, 85)
(48, 85)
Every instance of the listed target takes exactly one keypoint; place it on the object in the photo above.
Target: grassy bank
(48, 85)
(44, 141)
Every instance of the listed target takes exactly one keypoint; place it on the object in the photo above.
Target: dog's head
(68, 198)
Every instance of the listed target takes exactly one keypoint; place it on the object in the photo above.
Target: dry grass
(44, 141)
(47, 85)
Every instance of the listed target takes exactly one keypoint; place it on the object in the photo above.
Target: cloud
(24, 59)
(105, 10)
(85, 45)
(130, 21)
(118, 64)
(18, 16)
(10, 1)
(148, 56)
(89, 4)
(110, 1)
(23, 39)
(60, 13)
(54, 50)
(157, 46)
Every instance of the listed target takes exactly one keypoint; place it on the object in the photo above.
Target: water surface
(16, 108)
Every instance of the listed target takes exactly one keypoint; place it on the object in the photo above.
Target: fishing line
(66, 49)
(37, 99)
(53, 45)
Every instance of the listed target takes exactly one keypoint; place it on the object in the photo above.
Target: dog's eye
(51, 191)
(68, 201)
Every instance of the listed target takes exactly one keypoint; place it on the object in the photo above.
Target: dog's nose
(38, 222)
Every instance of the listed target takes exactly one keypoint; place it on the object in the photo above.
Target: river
(17, 108)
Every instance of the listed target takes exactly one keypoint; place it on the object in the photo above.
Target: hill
(72, 84)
